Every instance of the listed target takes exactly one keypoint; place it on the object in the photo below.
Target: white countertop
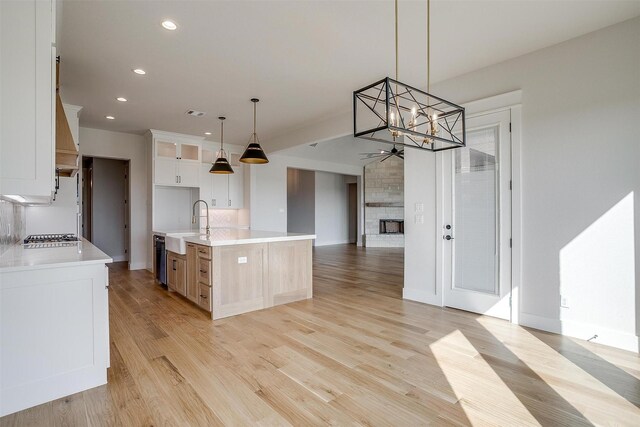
(18, 257)
(235, 236)
(194, 232)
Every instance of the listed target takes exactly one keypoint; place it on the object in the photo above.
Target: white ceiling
(303, 59)
(343, 150)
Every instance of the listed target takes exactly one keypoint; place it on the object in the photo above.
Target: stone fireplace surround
(384, 200)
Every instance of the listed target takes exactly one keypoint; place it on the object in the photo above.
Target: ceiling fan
(384, 154)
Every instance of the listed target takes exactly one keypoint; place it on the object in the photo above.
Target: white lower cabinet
(54, 334)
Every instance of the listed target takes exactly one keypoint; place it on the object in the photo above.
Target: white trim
(507, 101)
(494, 103)
(516, 212)
(161, 133)
(334, 242)
(584, 331)
(139, 266)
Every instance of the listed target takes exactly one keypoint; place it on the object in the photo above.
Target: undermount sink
(175, 242)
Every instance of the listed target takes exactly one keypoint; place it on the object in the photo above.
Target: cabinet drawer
(204, 271)
(204, 252)
(204, 297)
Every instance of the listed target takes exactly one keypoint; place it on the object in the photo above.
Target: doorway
(105, 205)
(353, 212)
(476, 218)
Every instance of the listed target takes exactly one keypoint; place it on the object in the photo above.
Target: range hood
(66, 150)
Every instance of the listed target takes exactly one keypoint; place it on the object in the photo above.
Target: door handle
(447, 237)
(448, 227)
(174, 264)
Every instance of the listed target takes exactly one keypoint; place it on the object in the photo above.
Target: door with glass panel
(476, 218)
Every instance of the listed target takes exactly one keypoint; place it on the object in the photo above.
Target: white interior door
(476, 220)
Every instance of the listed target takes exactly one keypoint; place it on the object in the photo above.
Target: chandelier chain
(396, 32)
(428, 46)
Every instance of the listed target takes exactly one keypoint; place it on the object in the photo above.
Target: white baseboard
(119, 258)
(337, 242)
(138, 266)
(622, 340)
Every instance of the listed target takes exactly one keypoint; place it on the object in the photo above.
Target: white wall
(174, 208)
(331, 209)
(580, 159)
(268, 188)
(301, 201)
(108, 209)
(125, 146)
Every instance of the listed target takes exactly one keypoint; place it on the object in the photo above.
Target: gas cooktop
(50, 238)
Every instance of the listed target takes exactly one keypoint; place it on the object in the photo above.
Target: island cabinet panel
(204, 296)
(240, 277)
(204, 271)
(177, 273)
(192, 272)
(290, 272)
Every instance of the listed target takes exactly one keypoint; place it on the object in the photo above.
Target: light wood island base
(235, 279)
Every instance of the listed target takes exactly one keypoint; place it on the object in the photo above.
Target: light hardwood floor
(356, 354)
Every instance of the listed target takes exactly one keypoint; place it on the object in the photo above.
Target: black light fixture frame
(388, 96)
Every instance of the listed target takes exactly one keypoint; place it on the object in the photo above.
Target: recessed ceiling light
(169, 25)
(139, 71)
(207, 133)
(109, 117)
(121, 99)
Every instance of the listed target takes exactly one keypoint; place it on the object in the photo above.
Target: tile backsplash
(12, 224)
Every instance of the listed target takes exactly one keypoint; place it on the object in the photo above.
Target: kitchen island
(233, 271)
(54, 322)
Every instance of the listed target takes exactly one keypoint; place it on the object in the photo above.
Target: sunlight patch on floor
(464, 368)
(554, 371)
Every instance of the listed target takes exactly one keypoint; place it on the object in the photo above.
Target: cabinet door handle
(203, 271)
(229, 202)
(174, 264)
(203, 296)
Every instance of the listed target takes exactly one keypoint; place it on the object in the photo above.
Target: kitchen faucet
(193, 217)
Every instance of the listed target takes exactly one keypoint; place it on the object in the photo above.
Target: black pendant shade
(221, 165)
(254, 154)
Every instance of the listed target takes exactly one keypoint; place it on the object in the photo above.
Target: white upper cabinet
(176, 159)
(27, 101)
(218, 190)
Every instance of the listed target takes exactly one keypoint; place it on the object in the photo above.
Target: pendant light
(400, 114)
(254, 154)
(221, 165)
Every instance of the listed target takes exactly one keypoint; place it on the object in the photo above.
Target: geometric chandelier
(393, 112)
(396, 113)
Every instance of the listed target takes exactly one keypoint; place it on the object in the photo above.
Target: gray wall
(301, 192)
(108, 220)
(332, 209)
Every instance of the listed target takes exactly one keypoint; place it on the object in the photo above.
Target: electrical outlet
(419, 208)
(564, 302)
(419, 219)
(242, 260)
